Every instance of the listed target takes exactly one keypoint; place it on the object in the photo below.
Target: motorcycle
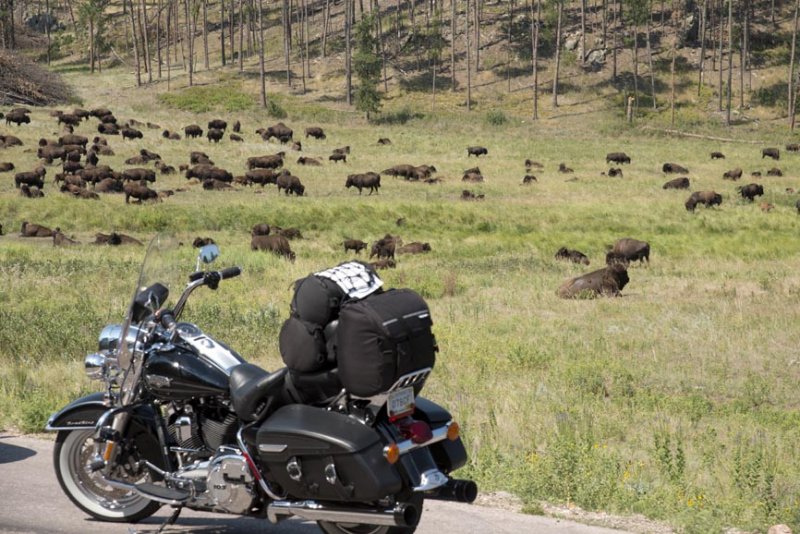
(185, 421)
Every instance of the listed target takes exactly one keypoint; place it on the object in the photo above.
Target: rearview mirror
(209, 253)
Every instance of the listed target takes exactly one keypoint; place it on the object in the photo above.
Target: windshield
(165, 268)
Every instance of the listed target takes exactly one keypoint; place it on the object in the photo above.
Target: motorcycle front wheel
(87, 490)
(351, 528)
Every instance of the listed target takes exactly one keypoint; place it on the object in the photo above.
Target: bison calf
(575, 256)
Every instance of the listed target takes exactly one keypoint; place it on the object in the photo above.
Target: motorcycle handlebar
(230, 272)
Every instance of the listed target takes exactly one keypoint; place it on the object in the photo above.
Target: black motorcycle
(185, 421)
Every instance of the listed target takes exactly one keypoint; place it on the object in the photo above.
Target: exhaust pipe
(402, 515)
(455, 490)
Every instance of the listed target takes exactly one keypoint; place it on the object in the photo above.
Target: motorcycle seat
(254, 391)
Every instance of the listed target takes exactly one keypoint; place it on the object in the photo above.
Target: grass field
(677, 400)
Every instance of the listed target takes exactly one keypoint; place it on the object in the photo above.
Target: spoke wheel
(72, 455)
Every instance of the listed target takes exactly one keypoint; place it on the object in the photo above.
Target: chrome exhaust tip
(402, 515)
(455, 490)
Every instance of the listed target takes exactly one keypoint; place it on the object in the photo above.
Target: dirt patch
(24, 82)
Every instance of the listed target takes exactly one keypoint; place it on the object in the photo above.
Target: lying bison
(368, 180)
(528, 179)
(608, 281)
(115, 239)
(384, 141)
(628, 250)
(131, 133)
(773, 153)
(61, 240)
(414, 248)
(677, 183)
(200, 242)
(674, 168)
(617, 157)
(34, 230)
(575, 256)
(774, 171)
(733, 174)
(6, 166)
(303, 160)
(707, 198)
(212, 184)
(30, 192)
(172, 136)
(717, 155)
(751, 191)
(563, 168)
(615, 172)
(277, 244)
(355, 245)
(477, 151)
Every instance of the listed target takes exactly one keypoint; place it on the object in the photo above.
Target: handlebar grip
(168, 320)
(196, 276)
(230, 272)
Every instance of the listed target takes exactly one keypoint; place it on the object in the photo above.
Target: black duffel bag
(381, 338)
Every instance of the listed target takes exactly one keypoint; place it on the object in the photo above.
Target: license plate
(401, 402)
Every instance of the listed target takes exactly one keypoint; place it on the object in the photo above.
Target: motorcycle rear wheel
(351, 528)
(87, 490)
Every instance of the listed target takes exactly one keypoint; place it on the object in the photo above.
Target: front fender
(80, 414)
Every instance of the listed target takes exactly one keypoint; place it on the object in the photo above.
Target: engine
(223, 484)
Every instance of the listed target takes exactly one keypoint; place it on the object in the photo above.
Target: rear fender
(448, 455)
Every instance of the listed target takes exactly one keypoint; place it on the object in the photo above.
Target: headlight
(109, 337)
(100, 366)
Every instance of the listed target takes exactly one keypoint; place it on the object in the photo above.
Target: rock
(779, 529)
(597, 56)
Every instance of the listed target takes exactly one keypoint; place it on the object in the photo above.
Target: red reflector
(417, 431)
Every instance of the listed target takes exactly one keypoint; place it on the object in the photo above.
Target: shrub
(496, 118)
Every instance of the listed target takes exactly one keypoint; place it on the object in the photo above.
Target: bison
(477, 151)
(677, 183)
(115, 239)
(265, 162)
(217, 124)
(34, 230)
(6, 166)
(209, 172)
(61, 240)
(414, 248)
(530, 164)
(107, 128)
(69, 119)
(262, 176)
(316, 132)
(8, 141)
(674, 168)
(385, 247)
(608, 281)
(109, 185)
(260, 229)
(466, 194)
(314, 162)
(139, 174)
(617, 157)
(336, 156)
(575, 256)
(17, 118)
(172, 136)
(773, 153)
(717, 155)
(279, 131)
(563, 168)
(613, 172)
(528, 179)
(30, 192)
(215, 135)
(139, 191)
(355, 245)
(277, 244)
(342, 150)
(472, 175)
(212, 184)
(199, 158)
(200, 242)
(71, 139)
(707, 198)
(793, 147)
(131, 133)
(236, 138)
(290, 184)
(774, 171)
(237, 127)
(733, 174)
(32, 178)
(369, 180)
(387, 263)
(629, 250)
(192, 131)
(288, 233)
(384, 141)
(751, 191)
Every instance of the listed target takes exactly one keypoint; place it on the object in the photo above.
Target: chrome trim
(430, 480)
(256, 474)
(438, 434)
(130, 487)
(411, 379)
(272, 448)
(314, 511)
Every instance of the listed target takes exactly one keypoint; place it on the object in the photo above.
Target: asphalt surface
(31, 501)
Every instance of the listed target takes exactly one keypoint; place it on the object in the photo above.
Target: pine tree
(367, 67)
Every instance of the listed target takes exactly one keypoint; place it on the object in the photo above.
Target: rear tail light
(417, 431)
(391, 453)
(453, 431)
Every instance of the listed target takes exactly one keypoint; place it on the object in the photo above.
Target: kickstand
(170, 520)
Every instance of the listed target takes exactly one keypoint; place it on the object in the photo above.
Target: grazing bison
(199, 158)
(277, 244)
(733, 174)
(793, 147)
(477, 151)
(69, 119)
(414, 248)
(387, 263)
(260, 229)
(774, 171)
(575, 256)
(200, 242)
(751, 191)
(336, 156)
(717, 155)
(303, 160)
(215, 135)
(265, 162)
(563, 168)
(96, 174)
(139, 174)
(279, 131)
(384, 141)
(385, 247)
(773, 153)
(172, 136)
(369, 180)
(342, 150)
(677, 183)
(707, 198)
(6, 166)
(109, 185)
(355, 245)
(192, 131)
(49, 153)
(217, 124)
(30, 192)
(99, 112)
(613, 172)
(528, 179)
(628, 250)
(139, 191)
(72, 139)
(290, 184)
(115, 239)
(131, 133)
(34, 230)
(674, 168)
(608, 281)
(17, 118)
(262, 176)
(315, 132)
(32, 178)
(617, 157)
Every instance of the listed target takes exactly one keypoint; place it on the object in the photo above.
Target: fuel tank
(178, 372)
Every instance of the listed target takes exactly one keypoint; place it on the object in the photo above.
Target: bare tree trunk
(772, 11)
(169, 42)
(262, 73)
(703, 17)
(650, 65)
(287, 39)
(190, 42)
(377, 10)
(146, 40)
(583, 32)
(741, 63)
(453, 45)
(721, 36)
(508, 55)
(136, 47)
(205, 34)
(469, 65)
(604, 27)
(158, 39)
(730, 63)
(397, 22)
(91, 44)
(325, 25)
(47, 27)
(672, 84)
(615, 30)
(176, 7)
(302, 42)
(306, 32)
(558, 52)
(791, 95)
(477, 35)
(713, 34)
(222, 32)
(535, 56)
(241, 35)
(348, 23)
(231, 25)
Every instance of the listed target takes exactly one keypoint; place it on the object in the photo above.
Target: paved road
(31, 501)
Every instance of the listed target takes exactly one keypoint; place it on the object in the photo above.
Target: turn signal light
(391, 453)
(453, 431)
